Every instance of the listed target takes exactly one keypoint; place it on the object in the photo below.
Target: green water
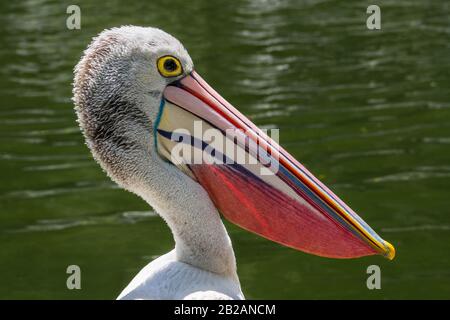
(366, 111)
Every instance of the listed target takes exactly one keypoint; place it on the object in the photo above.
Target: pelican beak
(254, 182)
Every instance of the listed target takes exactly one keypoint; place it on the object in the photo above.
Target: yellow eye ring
(169, 66)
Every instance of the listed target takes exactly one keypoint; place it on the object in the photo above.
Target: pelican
(138, 99)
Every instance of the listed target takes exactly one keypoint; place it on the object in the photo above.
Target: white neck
(200, 237)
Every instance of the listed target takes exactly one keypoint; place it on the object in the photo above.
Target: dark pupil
(170, 65)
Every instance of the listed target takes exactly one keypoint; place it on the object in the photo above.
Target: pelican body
(160, 131)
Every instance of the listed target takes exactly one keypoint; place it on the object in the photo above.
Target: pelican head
(138, 98)
(117, 92)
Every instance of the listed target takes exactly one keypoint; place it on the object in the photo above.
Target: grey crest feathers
(117, 91)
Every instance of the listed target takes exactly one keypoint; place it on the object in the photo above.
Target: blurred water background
(367, 111)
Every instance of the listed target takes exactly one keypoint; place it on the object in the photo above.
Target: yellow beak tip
(390, 252)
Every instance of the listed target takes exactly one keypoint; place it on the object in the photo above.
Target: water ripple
(370, 153)
(81, 186)
(439, 140)
(48, 132)
(128, 217)
(19, 157)
(62, 166)
(426, 227)
(420, 173)
(31, 121)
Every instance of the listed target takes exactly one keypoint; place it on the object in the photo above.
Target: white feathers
(168, 278)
